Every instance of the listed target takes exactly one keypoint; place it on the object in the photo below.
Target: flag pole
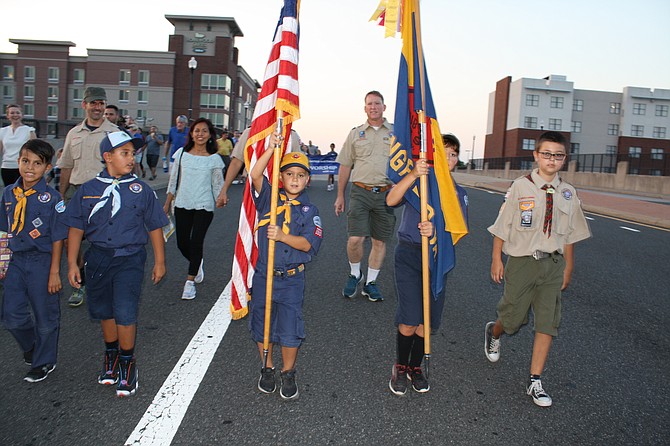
(276, 159)
(423, 192)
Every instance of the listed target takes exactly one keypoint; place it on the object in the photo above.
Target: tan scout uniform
(81, 151)
(366, 150)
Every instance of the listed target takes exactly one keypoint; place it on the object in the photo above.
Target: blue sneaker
(128, 377)
(371, 291)
(351, 286)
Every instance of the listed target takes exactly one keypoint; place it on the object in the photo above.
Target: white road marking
(161, 421)
(629, 229)
(589, 218)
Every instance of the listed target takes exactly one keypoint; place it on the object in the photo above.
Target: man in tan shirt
(364, 158)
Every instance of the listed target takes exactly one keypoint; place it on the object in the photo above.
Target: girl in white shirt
(12, 138)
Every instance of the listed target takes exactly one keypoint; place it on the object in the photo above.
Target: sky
(468, 47)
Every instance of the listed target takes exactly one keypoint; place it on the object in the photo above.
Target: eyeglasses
(549, 155)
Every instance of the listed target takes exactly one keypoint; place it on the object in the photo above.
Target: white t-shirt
(12, 141)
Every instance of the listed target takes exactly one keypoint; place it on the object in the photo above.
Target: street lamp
(246, 113)
(192, 65)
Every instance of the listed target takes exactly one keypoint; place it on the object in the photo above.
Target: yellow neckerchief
(285, 208)
(20, 209)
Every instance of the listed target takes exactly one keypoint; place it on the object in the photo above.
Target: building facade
(151, 86)
(633, 122)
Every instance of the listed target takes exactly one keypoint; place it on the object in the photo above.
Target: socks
(355, 269)
(112, 345)
(372, 275)
(417, 352)
(404, 344)
(127, 354)
(535, 377)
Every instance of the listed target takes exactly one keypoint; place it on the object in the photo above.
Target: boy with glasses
(536, 228)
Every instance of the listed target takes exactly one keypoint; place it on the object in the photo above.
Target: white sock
(372, 275)
(355, 269)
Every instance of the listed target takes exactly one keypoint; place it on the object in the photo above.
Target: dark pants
(29, 312)
(9, 176)
(191, 228)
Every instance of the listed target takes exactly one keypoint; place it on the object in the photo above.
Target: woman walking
(12, 138)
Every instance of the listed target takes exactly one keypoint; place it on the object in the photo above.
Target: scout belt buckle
(538, 255)
(290, 272)
(375, 189)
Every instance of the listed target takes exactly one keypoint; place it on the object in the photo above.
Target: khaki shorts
(369, 216)
(535, 284)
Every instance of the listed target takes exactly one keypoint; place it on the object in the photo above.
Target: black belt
(373, 189)
(290, 272)
(539, 255)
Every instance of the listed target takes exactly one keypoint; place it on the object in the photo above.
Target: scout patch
(44, 198)
(318, 231)
(305, 209)
(526, 208)
(60, 207)
(526, 205)
(34, 233)
(37, 222)
(135, 188)
(567, 194)
(361, 134)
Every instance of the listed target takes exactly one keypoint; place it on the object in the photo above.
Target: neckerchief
(20, 209)
(286, 209)
(549, 206)
(113, 190)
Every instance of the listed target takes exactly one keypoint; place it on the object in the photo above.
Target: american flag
(279, 93)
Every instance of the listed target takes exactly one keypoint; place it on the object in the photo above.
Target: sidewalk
(650, 211)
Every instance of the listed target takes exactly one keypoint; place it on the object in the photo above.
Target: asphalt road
(606, 373)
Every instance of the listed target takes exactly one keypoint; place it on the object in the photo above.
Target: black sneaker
(535, 390)
(128, 377)
(398, 381)
(38, 374)
(419, 381)
(110, 368)
(28, 356)
(289, 388)
(267, 382)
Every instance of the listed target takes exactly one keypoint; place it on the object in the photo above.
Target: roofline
(237, 32)
(42, 42)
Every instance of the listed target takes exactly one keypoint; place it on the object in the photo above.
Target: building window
(52, 129)
(218, 119)
(124, 96)
(613, 129)
(576, 126)
(8, 92)
(556, 102)
(659, 132)
(123, 112)
(142, 97)
(636, 130)
(54, 75)
(52, 94)
(532, 100)
(578, 105)
(28, 110)
(28, 92)
(657, 154)
(555, 124)
(530, 122)
(77, 113)
(77, 94)
(8, 73)
(124, 77)
(634, 152)
(52, 112)
(662, 110)
(615, 108)
(639, 109)
(78, 76)
(29, 74)
(655, 172)
(141, 116)
(611, 150)
(143, 77)
(574, 148)
(215, 82)
(211, 100)
(528, 144)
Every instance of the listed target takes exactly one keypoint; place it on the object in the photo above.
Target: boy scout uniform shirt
(520, 220)
(81, 151)
(42, 225)
(305, 222)
(366, 150)
(127, 231)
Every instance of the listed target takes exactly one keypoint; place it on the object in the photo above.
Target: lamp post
(192, 65)
(246, 113)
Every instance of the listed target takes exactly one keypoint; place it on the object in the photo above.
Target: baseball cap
(294, 159)
(94, 94)
(116, 139)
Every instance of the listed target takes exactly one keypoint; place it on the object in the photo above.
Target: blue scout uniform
(27, 281)
(407, 268)
(116, 219)
(287, 327)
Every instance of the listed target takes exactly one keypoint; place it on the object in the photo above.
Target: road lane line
(629, 229)
(161, 421)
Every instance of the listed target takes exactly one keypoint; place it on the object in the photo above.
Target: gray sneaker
(351, 287)
(491, 344)
(289, 388)
(77, 297)
(267, 382)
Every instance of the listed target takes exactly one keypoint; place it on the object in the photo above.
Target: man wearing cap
(81, 159)
(364, 157)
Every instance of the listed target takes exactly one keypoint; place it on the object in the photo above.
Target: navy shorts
(287, 327)
(113, 284)
(409, 288)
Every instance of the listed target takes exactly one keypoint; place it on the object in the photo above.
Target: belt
(373, 189)
(539, 255)
(290, 272)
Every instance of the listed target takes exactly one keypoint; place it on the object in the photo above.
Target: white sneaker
(189, 290)
(201, 273)
(491, 344)
(540, 397)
